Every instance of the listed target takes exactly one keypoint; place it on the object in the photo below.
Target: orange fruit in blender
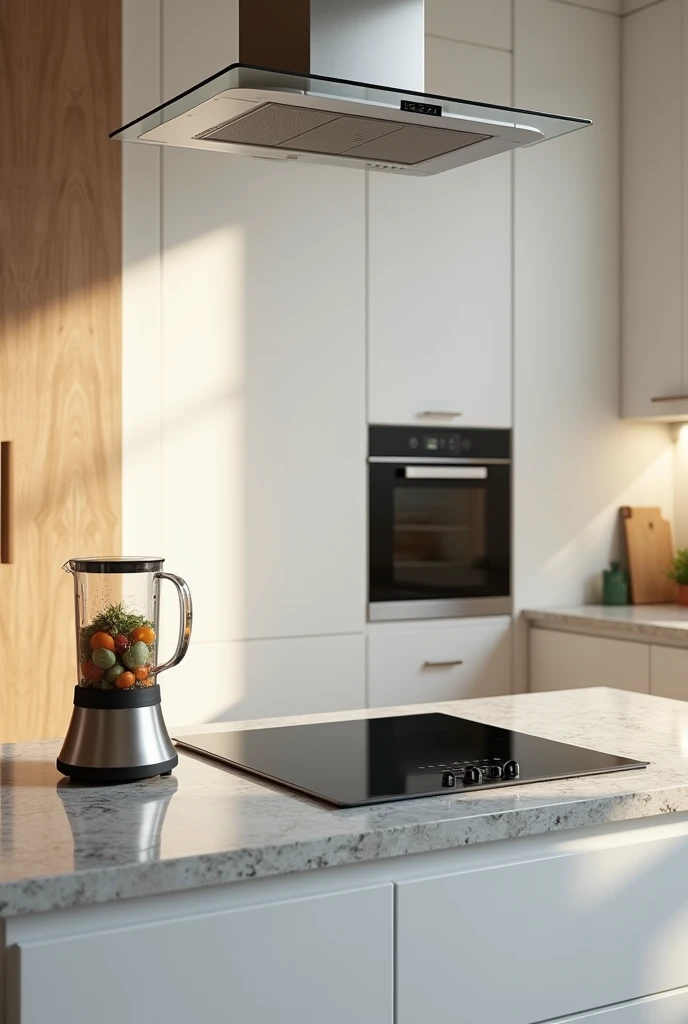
(102, 640)
(143, 633)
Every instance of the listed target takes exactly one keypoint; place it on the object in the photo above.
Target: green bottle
(615, 585)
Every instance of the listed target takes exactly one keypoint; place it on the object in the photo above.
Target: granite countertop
(665, 624)
(64, 845)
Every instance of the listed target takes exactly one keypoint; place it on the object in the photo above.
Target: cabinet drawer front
(565, 661)
(669, 672)
(667, 1008)
(565, 934)
(411, 666)
(325, 958)
(267, 678)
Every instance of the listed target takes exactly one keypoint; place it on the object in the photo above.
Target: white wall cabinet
(655, 143)
(574, 932)
(325, 958)
(440, 271)
(267, 678)
(408, 665)
(565, 661)
(669, 672)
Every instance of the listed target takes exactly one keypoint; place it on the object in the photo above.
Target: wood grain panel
(60, 334)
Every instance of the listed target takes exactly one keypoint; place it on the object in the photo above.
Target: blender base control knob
(472, 776)
(448, 780)
(511, 770)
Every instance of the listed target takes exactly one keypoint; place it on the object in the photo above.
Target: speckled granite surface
(646, 623)
(62, 845)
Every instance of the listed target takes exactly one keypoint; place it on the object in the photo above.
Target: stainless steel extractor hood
(302, 88)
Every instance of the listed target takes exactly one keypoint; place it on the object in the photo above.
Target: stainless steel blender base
(116, 736)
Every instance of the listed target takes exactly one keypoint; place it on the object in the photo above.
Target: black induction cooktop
(374, 760)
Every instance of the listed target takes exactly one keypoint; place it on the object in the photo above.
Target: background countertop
(65, 845)
(646, 623)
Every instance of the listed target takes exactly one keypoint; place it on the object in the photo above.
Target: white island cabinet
(323, 959)
(214, 896)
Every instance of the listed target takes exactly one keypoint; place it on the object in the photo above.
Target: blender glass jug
(117, 732)
(116, 607)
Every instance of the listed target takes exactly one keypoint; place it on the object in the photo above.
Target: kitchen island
(217, 895)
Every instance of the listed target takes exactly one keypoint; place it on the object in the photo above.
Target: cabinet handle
(442, 664)
(448, 414)
(6, 503)
(670, 398)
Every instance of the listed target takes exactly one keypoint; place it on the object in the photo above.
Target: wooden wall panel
(60, 334)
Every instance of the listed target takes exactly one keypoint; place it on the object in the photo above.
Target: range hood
(302, 89)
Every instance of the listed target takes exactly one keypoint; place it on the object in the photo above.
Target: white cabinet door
(262, 440)
(415, 666)
(666, 1008)
(440, 272)
(264, 381)
(323, 959)
(266, 679)
(669, 672)
(570, 933)
(565, 661)
(653, 216)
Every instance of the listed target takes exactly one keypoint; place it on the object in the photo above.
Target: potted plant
(679, 574)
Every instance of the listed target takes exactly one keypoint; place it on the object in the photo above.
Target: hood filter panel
(308, 130)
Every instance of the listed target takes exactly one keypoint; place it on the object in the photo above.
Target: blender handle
(185, 620)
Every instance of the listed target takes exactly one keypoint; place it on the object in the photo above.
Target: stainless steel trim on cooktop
(412, 460)
(391, 611)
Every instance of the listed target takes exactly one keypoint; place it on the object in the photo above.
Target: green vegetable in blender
(137, 655)
(103, 658)
(114, 673)
(116, 621)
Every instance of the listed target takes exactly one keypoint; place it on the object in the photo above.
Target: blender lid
(117, 563)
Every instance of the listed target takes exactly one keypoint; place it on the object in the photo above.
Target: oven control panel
(439, 443)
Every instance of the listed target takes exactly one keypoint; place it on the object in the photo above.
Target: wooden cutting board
(650, 555)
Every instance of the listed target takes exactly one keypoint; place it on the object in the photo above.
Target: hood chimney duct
(380, 41)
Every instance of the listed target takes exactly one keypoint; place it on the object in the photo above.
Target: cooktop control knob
(493, 771)
(448, 780)
(472, 776)
(511, 770)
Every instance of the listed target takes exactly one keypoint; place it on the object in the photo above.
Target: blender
(117, 732)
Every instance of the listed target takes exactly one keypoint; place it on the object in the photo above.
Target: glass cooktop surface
(374, 760)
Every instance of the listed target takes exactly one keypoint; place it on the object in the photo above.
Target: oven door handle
(445, 472)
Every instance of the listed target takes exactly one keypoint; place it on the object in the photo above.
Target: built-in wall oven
(439, 523)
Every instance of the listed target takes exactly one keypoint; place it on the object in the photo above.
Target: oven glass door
(439, 532)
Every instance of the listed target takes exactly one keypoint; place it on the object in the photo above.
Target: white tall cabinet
(440, 252)
(245, 436)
